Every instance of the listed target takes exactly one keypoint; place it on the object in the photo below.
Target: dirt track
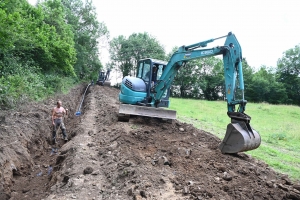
(105, 159)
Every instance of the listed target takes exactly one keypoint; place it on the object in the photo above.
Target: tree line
(47, 48)
(204, 78)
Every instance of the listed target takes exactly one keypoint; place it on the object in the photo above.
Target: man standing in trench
(58, 113)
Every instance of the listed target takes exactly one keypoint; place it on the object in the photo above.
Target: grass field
(278, 126)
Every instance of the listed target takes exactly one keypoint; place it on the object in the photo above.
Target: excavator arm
(232, 60)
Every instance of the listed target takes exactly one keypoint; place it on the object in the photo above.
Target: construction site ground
(145, 158)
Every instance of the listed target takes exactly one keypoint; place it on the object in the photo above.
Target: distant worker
(58, 113)
(154, 74)
(153, 77)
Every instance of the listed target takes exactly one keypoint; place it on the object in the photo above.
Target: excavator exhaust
(240, 136)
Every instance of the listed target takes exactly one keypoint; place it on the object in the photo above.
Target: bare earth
(145, 158)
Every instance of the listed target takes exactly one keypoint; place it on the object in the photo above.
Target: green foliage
(125, 53)
(21, 81)
(23, 84)
(211, 78)
(37, 48)
(61, 54)
(264, 87)
(119, 56)
(82, 17)
(8, 28)
(202, 78)
(30, 36)
(288, 74)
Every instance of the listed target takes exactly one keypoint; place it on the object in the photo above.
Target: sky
(264, 28)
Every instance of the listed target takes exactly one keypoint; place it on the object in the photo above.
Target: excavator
(141, 95)
(103, 78)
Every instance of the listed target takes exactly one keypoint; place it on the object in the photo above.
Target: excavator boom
(146, 93)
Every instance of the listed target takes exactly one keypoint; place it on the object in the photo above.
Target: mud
(145, 158)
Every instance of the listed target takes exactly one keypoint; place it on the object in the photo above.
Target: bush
(27, 83)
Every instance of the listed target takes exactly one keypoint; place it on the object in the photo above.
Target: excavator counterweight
(148, 92)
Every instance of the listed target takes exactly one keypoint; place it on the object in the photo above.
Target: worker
(58, 113)
(154, 74)
(153, 77)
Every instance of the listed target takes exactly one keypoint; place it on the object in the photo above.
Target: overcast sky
(264, 28)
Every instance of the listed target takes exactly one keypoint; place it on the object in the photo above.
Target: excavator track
(126, 110)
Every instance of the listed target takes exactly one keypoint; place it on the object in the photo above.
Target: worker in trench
(58, 114)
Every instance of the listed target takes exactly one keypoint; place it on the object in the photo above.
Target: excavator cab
(150, 70)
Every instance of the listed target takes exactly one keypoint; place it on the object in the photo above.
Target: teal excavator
(148, 93)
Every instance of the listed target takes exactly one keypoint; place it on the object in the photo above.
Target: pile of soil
(145, 158)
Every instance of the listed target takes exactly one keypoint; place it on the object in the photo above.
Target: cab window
(144, 70)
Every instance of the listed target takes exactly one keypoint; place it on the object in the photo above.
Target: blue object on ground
(49, 170)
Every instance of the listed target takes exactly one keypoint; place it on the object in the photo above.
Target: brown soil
(145, 158)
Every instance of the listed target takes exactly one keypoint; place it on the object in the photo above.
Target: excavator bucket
(239, 137)
(127, 109)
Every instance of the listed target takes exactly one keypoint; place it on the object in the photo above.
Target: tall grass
(278, 126)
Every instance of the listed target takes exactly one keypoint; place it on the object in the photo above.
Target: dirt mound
(145, 158)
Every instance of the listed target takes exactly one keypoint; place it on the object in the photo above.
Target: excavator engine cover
(239, 137)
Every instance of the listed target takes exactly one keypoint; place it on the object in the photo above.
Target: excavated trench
(27, 158)
(144, 158)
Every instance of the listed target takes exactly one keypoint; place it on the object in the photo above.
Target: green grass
(278, 126)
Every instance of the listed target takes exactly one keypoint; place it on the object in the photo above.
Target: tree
(31, 48)
(211, 78)
(119, 56)
(61, 49)
(125, 53)
(288, 73)
(186, 79)
(264, 87)
(199, 78)
(82, 16)
(32, 41)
